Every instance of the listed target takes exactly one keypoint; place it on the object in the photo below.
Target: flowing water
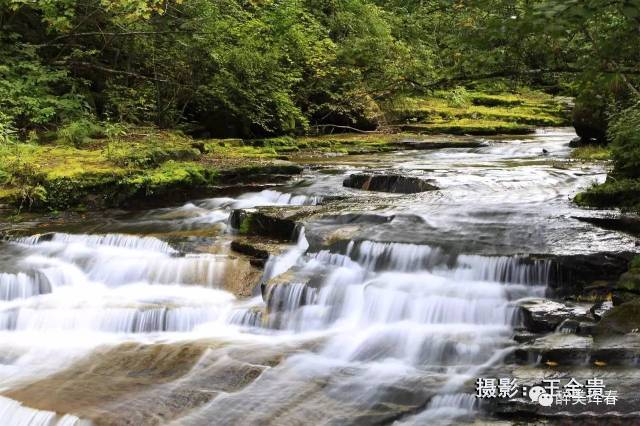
(129, 318)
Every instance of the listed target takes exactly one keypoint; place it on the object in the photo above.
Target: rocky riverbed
(368, 289)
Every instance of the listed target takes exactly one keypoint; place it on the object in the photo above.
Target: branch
(119, 72)
(125, 33)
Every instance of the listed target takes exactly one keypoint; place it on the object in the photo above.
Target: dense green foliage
(253, 67)
(622, 187)
(625, 136)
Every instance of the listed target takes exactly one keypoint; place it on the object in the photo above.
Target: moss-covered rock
(624, 193)
(265, 221)
(476, 113)
(622, 319)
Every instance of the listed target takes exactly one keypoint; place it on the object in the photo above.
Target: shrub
(78, 132)
(459, 97)
(624, 133)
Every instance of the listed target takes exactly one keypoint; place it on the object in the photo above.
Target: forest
(71, 70)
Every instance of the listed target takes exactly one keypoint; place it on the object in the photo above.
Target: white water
(356, 332)
(14, 413)
(215, 211)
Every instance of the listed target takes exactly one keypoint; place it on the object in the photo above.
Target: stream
(150, 317)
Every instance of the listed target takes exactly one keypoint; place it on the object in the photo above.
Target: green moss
(591, 153)
(621, 319)
(504, 111)
(624, 193)
(245, 225)
(506, 99)
(171, 175)
(238, 149)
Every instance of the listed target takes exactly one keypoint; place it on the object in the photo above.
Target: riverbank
(88, 167)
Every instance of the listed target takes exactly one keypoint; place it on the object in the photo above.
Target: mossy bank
(92, 166)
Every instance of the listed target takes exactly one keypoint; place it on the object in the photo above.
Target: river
(131, 317)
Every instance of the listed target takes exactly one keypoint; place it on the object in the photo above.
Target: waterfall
(15, 414)
(443, 409)
(246, 317)
(111, 240)
(396, 256)
(22, 286)
(277, 265)
(505, 269)
(118, 260)
(268, 197)
(411, 304)
(377, 256)
(111, 320)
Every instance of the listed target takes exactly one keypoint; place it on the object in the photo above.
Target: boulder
(280, 223)
(621, 319)
(543, 315)
(628, 287)
(388, 183)
(571, 275)
(589, 118)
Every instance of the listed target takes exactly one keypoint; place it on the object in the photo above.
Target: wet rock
(568, 326)
(561, 350)
(580, 328)
(365, 218)
(628, 287)
(263, 173)
(258, 249)
(388, 183)
(589, 118)
(600, 308)
(576, 142)
(625, 223)
(586, 328)
(525, 336)
(241, 277)
(621, 319)
(556, 349)
(571, 275)
(543, 315)
(273, 222)
(616, 349)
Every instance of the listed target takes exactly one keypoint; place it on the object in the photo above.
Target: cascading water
(120, 328)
